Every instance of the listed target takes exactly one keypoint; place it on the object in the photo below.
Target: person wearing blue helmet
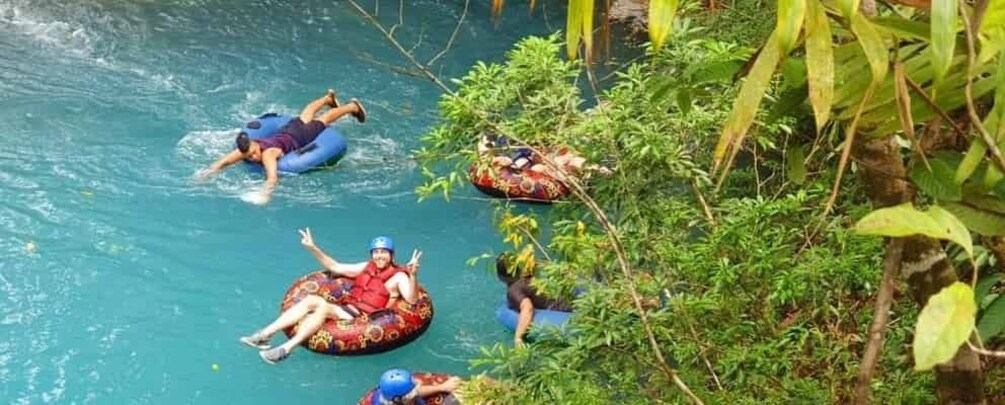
(377, 284)
(397, 387)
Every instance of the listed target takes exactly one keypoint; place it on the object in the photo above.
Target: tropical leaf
(992, 321)
(573, 27)
(992, 30)
(796, 167)
(975, 154)
(849, 8)
(873, 45)
(819, 62)
(898, 221)
(984, 286)
(943, 325)
(943, 26)
(661, 16)
(747, 103)
(981, 221)
(904, 28)
(953, 227)
(940, 182)
(790, 15)
(587, 27)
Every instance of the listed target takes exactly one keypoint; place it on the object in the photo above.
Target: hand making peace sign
(413, 265)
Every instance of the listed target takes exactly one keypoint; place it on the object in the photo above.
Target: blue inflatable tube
(329, 147)
(543, 319)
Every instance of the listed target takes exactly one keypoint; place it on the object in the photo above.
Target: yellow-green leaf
(873, 46)
(943, 325)
(819, 62)
(943, 26)
(661, 16)
(747, 102)
(849, 8)
(900, 220)
(954, 229)
(992, 30)
(983, 221)
(587, 27)
(790, 15)
(794, 162)
(574, 27)
(975, 154)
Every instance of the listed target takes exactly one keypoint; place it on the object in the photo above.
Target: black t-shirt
(522, 289)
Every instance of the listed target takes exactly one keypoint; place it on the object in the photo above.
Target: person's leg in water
(354, 107)
(302, 312)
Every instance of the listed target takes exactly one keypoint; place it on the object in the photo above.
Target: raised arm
(403, 284)
(342, 269)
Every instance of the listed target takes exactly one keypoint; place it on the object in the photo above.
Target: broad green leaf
(981, 221)
(943, 325)
(587, 33)
(684, 101)
(975, 154)
(661, 16)
(992, 320)
(998, 112)
(793, 72)
(747, 102)
(985, 284)
(940, 182)
(573, 27)
(900, 220)
(712, 72)
(849, 8)
(992, 30)
(953, 227)
(790, 15)
(794, 161)
(873, 45)
(819, 62)
(943, 26)
(903, 27)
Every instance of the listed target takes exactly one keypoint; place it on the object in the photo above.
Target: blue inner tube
(543, 319)
(329, 147)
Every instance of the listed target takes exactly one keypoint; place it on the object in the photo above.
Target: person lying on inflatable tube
(377, 284)
(398, 387)
(299, 132)
(522, 297)
(522, 158)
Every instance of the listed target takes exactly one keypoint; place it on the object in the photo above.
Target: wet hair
(502, 268)
(243, 142)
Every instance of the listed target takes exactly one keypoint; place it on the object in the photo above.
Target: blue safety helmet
(395, 384)
(382, 242)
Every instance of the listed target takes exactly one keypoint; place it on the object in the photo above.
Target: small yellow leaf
(943, 325)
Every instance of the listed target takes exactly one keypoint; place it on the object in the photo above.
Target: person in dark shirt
(296, 134)
(522, 297)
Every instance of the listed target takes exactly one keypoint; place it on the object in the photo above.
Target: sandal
(361, 114)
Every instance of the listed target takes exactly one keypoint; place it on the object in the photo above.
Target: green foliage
(778, 311)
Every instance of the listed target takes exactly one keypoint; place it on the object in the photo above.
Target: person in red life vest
(297, 133)
(377, 284)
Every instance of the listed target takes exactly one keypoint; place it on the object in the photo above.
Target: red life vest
(368, 291)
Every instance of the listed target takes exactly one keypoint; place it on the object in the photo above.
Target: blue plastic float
(543, 319)
(329, 147)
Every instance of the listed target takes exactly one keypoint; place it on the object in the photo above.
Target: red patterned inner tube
(526, 185)
(380, 331)
(424, 379)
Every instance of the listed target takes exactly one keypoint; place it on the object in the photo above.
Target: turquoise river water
(124, 281)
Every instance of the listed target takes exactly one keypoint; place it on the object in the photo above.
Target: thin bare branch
(975, 120)
(931, 104)
(881, 314)
(452, 35)
(846, 153)
(985, 352)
